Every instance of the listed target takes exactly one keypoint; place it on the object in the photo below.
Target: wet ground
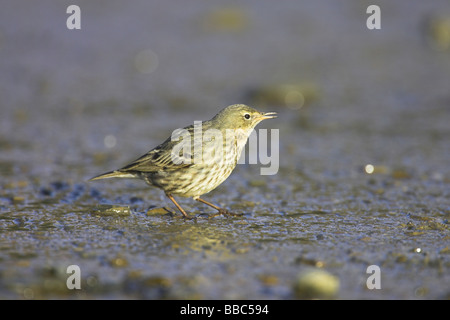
(364, 139)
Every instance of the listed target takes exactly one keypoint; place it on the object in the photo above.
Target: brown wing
(169, 155)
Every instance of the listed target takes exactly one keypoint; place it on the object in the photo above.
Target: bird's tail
(113, 174)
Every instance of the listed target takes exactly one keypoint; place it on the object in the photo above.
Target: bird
(196, 159)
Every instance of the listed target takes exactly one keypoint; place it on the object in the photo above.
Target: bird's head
(240, 116)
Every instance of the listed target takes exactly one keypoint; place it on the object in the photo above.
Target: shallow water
(78, 103)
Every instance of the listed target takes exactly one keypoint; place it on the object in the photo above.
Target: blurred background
(364, 131)
(135, 71)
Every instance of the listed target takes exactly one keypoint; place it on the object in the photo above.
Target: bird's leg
(186, 216)
(221, 211)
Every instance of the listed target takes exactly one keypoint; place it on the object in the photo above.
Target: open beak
(267, 115)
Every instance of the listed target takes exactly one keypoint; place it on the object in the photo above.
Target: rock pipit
(198, 158)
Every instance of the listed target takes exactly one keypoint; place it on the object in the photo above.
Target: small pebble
(119, 262)
(316, 284)
(158, 211)
(109, 210)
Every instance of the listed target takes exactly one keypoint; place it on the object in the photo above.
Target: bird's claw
(225, 212)
(186, 217)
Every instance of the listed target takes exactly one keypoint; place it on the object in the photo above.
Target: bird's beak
(267, 115)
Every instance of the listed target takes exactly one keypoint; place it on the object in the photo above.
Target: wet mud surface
(364, 140)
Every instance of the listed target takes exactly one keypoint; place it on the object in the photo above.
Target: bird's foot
(225, 212)
(183, 216)
(188, 217)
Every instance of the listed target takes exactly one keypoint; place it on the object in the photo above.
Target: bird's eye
(247, 116)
